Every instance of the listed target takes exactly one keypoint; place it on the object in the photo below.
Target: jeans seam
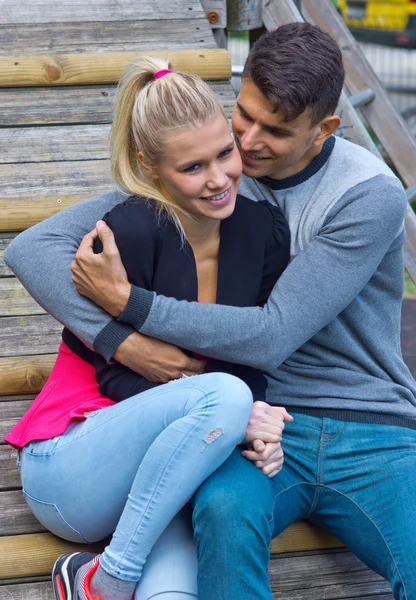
(375, 526)
(58, 511)
(335, 437)
(206, 404)
(63, 445)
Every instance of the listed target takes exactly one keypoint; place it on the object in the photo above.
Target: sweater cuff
(137, 308)
(110, 338)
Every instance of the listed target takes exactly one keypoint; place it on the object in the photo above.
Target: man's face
(269, 146)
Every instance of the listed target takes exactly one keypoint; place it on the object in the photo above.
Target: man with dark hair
(328, 338)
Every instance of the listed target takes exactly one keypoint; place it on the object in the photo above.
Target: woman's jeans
(356, 480)
(131, 467)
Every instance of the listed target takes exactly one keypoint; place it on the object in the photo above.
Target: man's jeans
(356, 480)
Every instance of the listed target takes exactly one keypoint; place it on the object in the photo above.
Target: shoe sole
(60, 580)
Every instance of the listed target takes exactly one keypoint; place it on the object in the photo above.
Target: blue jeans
(130, 468)
(353, 479)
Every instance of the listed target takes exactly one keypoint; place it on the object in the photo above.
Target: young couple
(105, 448)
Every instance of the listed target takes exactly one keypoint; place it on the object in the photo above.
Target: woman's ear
(147, 167)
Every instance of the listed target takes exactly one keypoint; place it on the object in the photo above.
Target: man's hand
(267, 457)
(101, 277)
(155, 360)
(266, 423)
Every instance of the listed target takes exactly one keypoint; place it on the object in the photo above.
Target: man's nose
(250, 140)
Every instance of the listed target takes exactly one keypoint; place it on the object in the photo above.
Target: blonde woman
(103, 449)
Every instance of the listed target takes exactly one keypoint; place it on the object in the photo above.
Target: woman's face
(201, 169)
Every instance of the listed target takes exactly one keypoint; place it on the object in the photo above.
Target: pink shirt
(71, 392)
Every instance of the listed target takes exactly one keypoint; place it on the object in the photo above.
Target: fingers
(270, 461)
(259, 446)
(87, 243)
(194, 366)
(286, 416)
(107, 238)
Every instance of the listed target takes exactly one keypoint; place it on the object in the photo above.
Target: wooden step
(34, 554)
(97, 68)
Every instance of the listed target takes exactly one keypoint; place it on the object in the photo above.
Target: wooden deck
(53, 151)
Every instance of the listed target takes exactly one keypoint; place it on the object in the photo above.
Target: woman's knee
(233, 402)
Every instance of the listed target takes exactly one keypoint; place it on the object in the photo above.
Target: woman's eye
(192, 168)
(226, 152)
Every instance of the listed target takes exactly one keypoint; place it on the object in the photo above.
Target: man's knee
(237, 495)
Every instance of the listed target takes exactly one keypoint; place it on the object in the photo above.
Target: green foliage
(409, 286)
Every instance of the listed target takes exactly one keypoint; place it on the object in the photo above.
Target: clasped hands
(264, 435)
(103, 279)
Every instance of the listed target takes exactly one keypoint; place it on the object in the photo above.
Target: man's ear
(327, 128)
(148, 168)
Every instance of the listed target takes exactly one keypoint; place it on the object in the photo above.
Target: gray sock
(107, 587)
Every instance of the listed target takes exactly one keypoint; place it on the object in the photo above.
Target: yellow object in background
(388, 15)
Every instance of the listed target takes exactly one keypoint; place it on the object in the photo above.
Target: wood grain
(5, 240)
(24, 336)
(46, 11)
(34, 554)
(15, 300)
(46, 144)
(10, 476)
(15, 515)
(24, 374)
(105, 67)
(52, 106)
(68, 178)
(102, 36)
(45, 546)
(10, 412)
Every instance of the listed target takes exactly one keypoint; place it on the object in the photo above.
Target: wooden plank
(44, 546)
(69, 178)
(11, 411)
(24, 374)
(15, 300)
(51, 106)
(24, 335)
(5, 240)
(23, 212)
(304, 536)
(45, 144)
(49, 11)
(330, 574)
(124, 36)
(34, 554)
(105, 67)
(15, 516)
(10, 476)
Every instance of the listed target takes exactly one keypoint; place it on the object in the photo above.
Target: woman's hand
(267, 457)
(266, 423)
(101, 277)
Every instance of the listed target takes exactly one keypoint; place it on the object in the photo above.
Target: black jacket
(254, 251)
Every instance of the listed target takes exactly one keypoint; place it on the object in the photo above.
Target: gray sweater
(329, 336)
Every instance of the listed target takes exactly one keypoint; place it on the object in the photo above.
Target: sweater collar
(317, 164)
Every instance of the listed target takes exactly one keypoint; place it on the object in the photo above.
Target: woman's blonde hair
(146, 110)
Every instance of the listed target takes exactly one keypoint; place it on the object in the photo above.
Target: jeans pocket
(49, 515)
(42, 447)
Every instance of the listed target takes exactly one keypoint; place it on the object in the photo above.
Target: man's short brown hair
(298, 66)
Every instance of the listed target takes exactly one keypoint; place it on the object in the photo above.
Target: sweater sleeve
(41, 257)
(136, 233)
(276, 259)
(320, 282)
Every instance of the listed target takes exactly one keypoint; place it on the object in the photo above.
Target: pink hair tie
(162, 72)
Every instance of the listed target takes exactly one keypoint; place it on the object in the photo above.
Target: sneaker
(66, 572)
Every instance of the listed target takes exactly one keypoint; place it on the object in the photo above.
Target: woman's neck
(201, 232)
